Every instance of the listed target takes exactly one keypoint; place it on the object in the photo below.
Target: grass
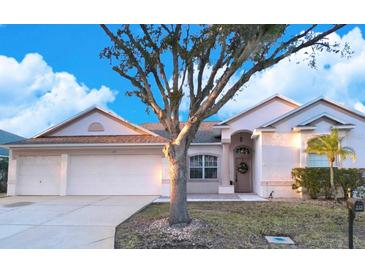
(311, 224)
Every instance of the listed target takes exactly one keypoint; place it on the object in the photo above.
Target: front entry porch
(237, 164)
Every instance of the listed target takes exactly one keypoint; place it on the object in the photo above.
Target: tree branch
(263, 65)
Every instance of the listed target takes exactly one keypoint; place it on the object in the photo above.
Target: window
(315, 160)
(95, 126)
(203, 167)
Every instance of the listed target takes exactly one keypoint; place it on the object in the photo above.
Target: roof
(112, 139)
(6, 137)
(89, 110)
(321, 116)
(310, 103)
(205, 134)
(275, 96)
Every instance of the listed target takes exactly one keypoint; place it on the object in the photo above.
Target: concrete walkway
(218, 198)
(64, 222)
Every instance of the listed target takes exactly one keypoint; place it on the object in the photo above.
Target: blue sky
(50, 72)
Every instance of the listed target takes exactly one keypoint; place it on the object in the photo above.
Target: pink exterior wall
(196, 185)
(284, 149)
(80, 127)
(257, 117)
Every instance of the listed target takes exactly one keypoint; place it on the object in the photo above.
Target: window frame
(307, 155)
(320, 159)
(95, 127)
(203, 167)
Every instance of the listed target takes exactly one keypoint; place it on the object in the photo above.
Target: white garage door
(114, 175)
(38, 175)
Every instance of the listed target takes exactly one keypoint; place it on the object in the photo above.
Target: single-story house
(98, 153)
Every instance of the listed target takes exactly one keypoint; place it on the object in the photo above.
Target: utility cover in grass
(279, 240)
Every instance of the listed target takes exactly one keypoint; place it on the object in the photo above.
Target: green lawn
(311, 224)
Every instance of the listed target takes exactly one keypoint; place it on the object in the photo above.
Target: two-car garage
(95, 152)
(89, 175)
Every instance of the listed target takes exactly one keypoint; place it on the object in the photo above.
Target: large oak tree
(166, 63)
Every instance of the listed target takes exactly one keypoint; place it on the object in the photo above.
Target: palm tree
(330, 145)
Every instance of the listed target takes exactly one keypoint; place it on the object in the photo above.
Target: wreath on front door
(242, 168)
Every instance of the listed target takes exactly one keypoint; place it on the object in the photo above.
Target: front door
(243, 167)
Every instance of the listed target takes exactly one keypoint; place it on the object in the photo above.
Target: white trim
(86, 145)
(221, 126)
(343, 127)
(319, 116)
(311, 103)
(101, 145)
(89, 110)
(276, 95)
(257, 130)
(296, 129)
(203, 166)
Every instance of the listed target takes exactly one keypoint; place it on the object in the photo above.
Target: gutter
(84, 145)
(100, 145)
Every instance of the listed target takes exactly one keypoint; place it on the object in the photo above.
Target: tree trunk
(176, 155)
(332, 180)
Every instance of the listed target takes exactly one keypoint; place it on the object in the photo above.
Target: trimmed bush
(316, 180)
(350, 179)
(3, 174)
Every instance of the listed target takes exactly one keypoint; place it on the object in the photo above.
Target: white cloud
(34, 97)
(340, 79)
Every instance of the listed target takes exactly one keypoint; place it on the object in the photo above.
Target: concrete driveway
(64, 222)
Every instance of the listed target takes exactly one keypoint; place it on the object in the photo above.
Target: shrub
(350, 180)
(3, 174)
(316, 180)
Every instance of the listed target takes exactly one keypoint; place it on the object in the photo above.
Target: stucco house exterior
(98, 153)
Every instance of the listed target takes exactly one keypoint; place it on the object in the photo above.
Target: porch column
(64, 174)
(225, 165)
(225, 187)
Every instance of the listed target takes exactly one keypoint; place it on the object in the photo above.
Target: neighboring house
(6, 137)
(98, 153)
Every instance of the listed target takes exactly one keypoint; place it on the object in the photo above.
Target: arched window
(96, 126)
(203, 167)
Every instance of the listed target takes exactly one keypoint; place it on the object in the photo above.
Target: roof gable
(322, 117)
(95, 121)
(275, 97)
(311, 104)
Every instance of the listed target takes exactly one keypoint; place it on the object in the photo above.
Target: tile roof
(133, 139)
(205, 134)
